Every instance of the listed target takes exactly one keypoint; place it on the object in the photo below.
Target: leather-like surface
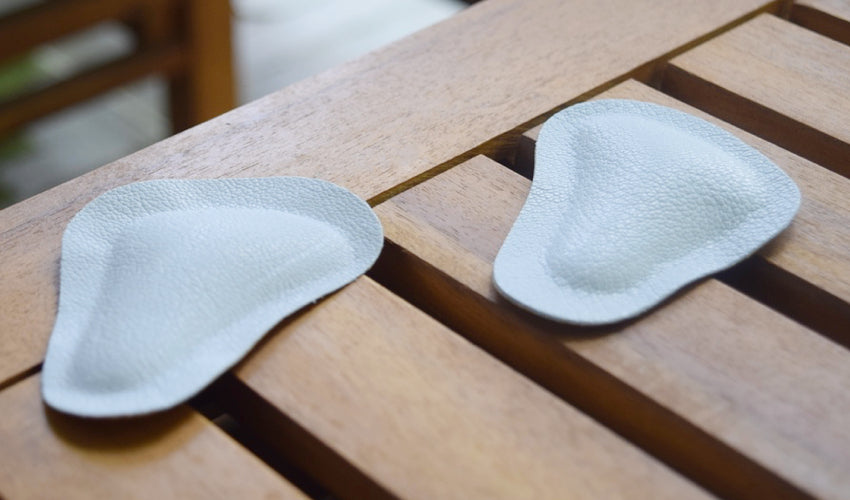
(630, 201)
(166, 284)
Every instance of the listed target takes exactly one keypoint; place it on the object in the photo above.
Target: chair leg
(206, 87)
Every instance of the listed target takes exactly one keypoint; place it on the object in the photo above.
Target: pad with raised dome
(631, 201)
(166, 284)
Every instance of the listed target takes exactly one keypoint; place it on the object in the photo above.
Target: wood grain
(176, 454)
(828, 17)
(712, 382)
(773, 78)
(814, 252)
(422, 413)
(374, 125)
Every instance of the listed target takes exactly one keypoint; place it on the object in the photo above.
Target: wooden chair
(186, 41)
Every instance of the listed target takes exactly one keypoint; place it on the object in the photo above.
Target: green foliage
(17, 75)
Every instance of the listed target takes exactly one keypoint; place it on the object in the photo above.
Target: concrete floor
(276, 42)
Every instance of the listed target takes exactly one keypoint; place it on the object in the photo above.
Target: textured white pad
(166, 284)
(631, 201)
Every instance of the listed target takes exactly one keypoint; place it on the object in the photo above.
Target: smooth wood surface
(425, 414)
(815, 249)
(711, 381)
(371, 125)
(177, 454)
(828, 17)
(778, 80)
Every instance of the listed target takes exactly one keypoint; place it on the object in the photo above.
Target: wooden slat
(806, 271)
(176, 454)
(419, 412)
(777, 80)
(733, 394)
(828, 17)
(198, 30)
(371, 125)
(160, 60)
(46, 21)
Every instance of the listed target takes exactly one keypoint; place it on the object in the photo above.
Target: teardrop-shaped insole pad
(631, 201)
(166, 284)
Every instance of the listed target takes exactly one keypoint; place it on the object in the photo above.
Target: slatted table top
(418, 380)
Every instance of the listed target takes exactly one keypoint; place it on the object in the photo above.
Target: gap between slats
(169, 453)
(606, 398)
(760, 120)
(275, 438)
(20, 377)
(816, 16)
(224, 402)
(435, 258)
(743, 90)
(792, 296)
(503, 147)
(208, 404)
(284, 445)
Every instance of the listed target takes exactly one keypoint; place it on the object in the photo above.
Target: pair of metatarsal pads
(166, 284)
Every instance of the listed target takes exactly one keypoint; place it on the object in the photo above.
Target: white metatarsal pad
(166, 284)
(631, 201)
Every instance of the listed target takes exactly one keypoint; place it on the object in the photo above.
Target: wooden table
(418, 381)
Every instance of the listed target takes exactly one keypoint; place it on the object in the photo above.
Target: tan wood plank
(777, 80)
(736, 396)
(371, 125)
(814, 251)
(425, 414)
(828, 17)
(176, 454)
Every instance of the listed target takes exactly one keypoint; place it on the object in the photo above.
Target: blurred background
(85, 82)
